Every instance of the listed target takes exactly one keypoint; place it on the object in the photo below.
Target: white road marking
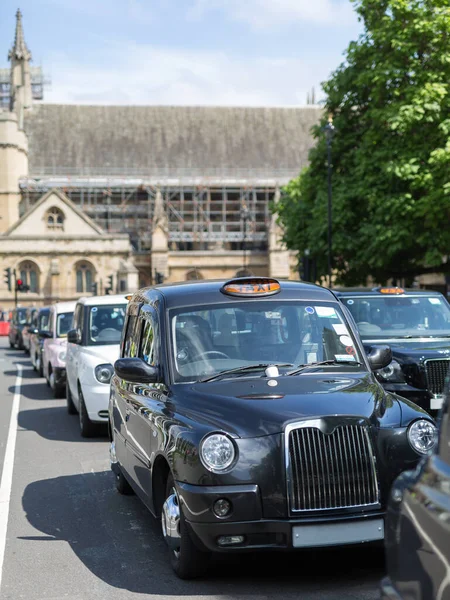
(8, 465)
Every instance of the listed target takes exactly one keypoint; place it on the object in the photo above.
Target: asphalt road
(70, 536)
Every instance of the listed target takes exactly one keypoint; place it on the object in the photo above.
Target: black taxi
(246, 415)
(416, 325)
(418, 526)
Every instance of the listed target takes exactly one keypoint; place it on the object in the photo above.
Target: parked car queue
(208, 378)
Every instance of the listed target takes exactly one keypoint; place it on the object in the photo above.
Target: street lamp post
(245, 216)
(329, 133)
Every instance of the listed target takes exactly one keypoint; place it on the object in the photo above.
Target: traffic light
(159, 277)
(109, 285)
(94, 288)
(8, 279)
(21, 286)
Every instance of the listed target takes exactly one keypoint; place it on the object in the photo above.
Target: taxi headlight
(393, 373)
(217, 452)
(62, 356)
(422, 435)
(103, 373)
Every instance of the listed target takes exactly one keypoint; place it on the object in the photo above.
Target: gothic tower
(13, 141)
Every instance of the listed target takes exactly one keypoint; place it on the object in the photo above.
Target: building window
(55, 219)
(29, 274)
(84, 277)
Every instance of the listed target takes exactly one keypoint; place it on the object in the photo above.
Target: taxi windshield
(63, 324)
(400, 316)
(21, 316)
(212, 339)
(105, 324)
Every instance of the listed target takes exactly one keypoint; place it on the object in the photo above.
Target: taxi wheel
(40, 368)
(87, 427)
(122, 485)
(11, 344)
(186, 559)
(71, 408)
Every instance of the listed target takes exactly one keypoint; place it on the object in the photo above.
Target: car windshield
(63, 324)
(43, 321)
(21, 316)
(400, 316)
(208, 340)
(105, 324)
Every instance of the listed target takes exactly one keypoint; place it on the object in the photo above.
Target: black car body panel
(159, 427)
(17, 324)
(418, 526)
(423, 359)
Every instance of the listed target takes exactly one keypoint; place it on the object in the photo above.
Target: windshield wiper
(243, 370)
(301, 368)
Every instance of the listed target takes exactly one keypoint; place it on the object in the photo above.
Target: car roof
(44, 309)
(101, 300)
(376, 292)
(62, 307)
(190, 293)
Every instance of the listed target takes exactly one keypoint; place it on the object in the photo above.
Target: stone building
(142, 193)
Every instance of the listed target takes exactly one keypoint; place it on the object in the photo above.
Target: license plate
(337, 534)
(436, 402)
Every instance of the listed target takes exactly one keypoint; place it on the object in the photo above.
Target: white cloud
(263, 14)
(143, 74)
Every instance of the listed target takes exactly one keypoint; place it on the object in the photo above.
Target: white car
(92, 349)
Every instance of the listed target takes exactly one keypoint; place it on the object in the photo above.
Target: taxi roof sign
(390, 290)
(251, 287)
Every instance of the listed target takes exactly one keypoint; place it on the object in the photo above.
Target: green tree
(390, 100)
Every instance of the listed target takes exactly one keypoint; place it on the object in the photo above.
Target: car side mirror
(73, 337)
(379, 357)
(44, 333)
(34, 331)
(135, 370)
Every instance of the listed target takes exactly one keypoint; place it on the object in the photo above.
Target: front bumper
(388, 592)
(96, 400)
(246, 520)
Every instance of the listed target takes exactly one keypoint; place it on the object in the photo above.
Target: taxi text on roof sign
(391, 290)
(251, 286)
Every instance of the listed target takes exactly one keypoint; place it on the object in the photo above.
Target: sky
(182, 52)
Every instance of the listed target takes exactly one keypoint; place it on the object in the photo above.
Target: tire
(122, 485)
(88, 429)
(35, 363)
(71, 408)
(40, 368)
(188, 561)
(58, 390)
(11, 344)
(49, 374)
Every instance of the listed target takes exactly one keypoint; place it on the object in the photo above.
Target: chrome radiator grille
(437, 370)
(331, 470)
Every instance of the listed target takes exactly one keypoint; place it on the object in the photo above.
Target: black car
(245, 414)
(418, 526)
(39, 331)
(416, 325)
(18, 322)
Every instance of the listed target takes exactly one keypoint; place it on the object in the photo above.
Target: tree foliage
(390, 100)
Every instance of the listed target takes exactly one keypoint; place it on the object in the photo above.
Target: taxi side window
(131, 345)
(149, 346)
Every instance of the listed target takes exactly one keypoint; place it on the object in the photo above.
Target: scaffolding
(38, 81)
(213, 215)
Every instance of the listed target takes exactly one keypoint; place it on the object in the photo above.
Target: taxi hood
(250, 407)
(108, 353)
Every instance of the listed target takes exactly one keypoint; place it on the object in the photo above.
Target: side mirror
(73, 336)
(135, 370)
(44, 333)
(379, 357)
(34, 331)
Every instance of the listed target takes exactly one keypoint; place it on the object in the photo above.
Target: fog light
(230, 540)
(222, 507)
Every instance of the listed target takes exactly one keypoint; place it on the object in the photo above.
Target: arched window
(29, 274)
(84, 273)
(55, 218)
(194, 274)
